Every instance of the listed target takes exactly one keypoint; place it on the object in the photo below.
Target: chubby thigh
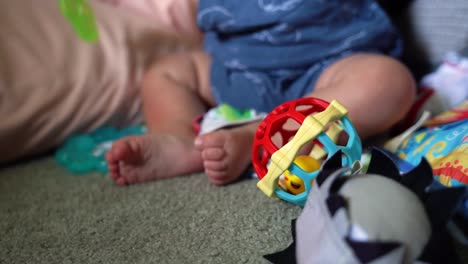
(52, 84)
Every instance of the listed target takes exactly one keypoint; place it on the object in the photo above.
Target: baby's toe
(211, 140)
(109, 157)
(213, 154)
(216, 166)
(217, 177)
(129, 174)
(112, 167)
(121, 181)
(114, 174)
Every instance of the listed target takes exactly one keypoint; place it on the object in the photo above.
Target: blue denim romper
(266, 52)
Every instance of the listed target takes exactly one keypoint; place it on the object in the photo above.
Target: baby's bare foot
(149, 157)
(226, 153)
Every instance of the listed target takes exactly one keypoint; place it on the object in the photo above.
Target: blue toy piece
(85, 153)
(351, 152)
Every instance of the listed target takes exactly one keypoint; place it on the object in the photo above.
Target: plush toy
(379, 216)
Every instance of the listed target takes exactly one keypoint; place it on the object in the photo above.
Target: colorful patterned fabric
(444, 143)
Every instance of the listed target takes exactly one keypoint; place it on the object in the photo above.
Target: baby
(259, 54)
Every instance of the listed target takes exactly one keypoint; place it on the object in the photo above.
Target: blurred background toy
(81, 17)
(84, 153)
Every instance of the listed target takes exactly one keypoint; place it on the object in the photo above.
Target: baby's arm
(183, 16)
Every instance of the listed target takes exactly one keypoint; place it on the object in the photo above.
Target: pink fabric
(179, 15)
(52, 84)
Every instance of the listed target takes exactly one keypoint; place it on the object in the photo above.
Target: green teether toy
(232, 114)
(80, 14)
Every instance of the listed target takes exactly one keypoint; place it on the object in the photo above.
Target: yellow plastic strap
(333, 132)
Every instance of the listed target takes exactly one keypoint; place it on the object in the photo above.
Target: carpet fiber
(49, 216)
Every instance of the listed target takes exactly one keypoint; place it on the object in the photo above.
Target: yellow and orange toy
(294, 184)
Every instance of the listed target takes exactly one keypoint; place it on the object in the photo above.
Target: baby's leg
(377, 90)
(174, 92)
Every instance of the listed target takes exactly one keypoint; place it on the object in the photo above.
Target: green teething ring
(80, 14)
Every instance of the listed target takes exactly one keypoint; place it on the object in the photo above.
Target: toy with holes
(293, 141)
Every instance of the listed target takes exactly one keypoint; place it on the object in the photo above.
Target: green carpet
(49, 216)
